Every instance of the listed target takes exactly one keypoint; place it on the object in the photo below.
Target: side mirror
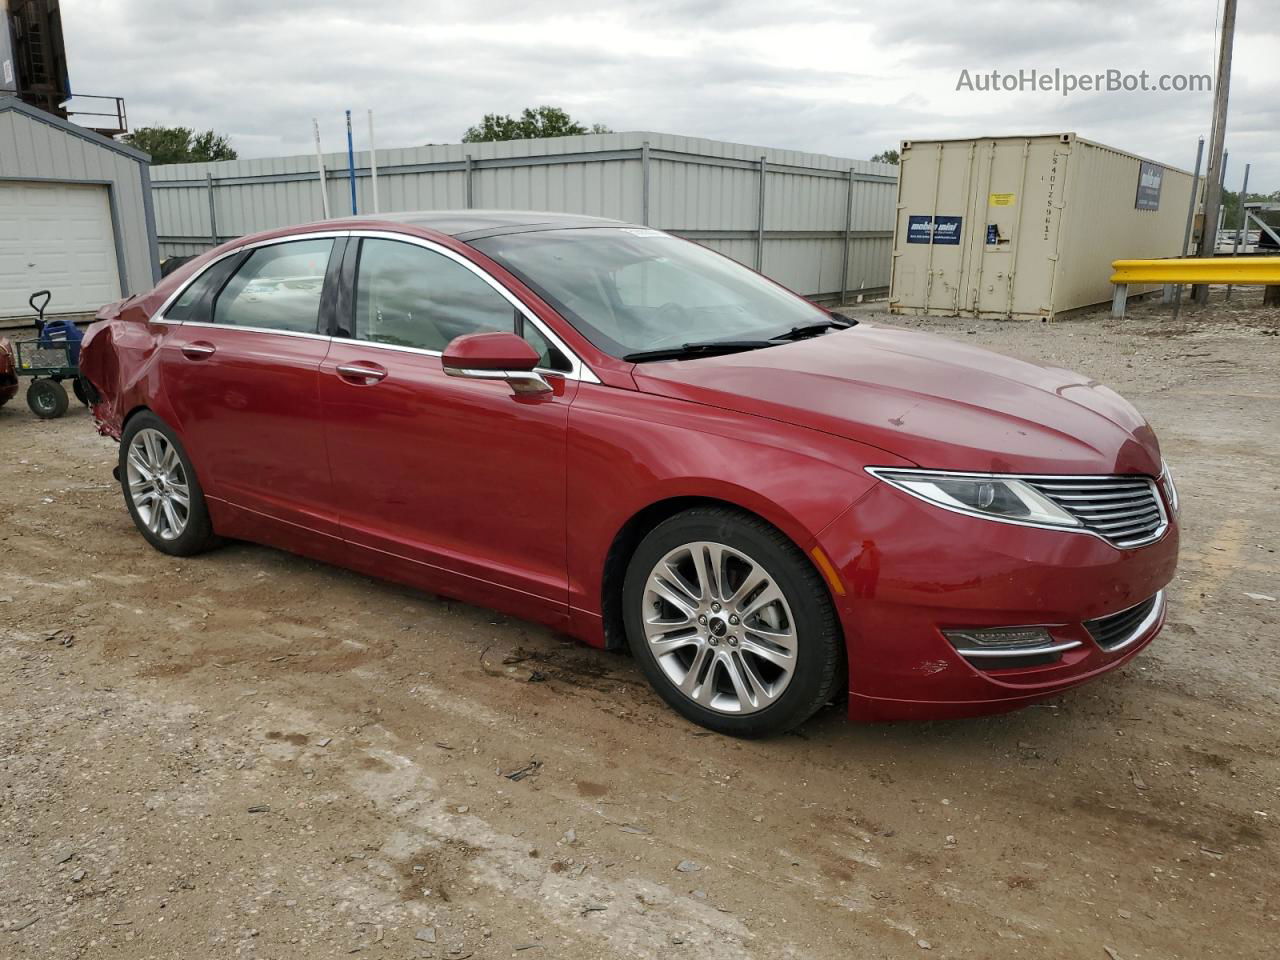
(495, 356)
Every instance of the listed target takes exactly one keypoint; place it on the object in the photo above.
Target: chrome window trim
(159, 315)
(1157, 536)
(577, 369)
(301, 334)
(1143, 627)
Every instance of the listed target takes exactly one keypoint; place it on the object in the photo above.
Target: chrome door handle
(199, 350)
(358, 371)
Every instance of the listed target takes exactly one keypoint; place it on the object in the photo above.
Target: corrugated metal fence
(820, 225)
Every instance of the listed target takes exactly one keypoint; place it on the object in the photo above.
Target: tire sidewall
(815, 631)
(198, 533)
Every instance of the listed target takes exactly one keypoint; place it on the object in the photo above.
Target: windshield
(632, 289)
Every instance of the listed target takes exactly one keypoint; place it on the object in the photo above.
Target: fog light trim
(1007, 642)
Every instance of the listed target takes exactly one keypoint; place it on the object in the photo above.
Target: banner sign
(938, 230)
(1150, 176)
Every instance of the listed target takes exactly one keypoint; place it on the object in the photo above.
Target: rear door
(241, 369)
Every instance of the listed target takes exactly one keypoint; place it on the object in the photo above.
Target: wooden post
(1217, 137)
(1271, 296)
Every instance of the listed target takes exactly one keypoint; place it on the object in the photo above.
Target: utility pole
(1217, 139)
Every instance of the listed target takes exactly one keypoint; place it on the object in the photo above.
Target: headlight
(1166, 483)
(981, 495)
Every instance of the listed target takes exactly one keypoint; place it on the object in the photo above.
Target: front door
(458, 485)
(241, 369)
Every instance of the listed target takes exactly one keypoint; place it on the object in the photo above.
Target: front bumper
(910, 571)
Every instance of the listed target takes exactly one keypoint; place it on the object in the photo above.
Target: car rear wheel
(161, 489)
(81, 388)
(730, 623)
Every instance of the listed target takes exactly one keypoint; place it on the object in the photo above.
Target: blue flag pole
(351, 165)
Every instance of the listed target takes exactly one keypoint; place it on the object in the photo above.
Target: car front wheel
(730, 623)
(161, 489)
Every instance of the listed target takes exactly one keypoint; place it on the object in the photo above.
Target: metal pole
(644, 183)
(1217, 139)
(1235, 243)
(324, 185)
(1244, 193)
(848, 241)
(351, 165)
(469, 196)
(1191, 217)
(760, 219)
(373, 165)
(213, 214)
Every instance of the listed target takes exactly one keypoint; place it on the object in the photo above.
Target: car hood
(938, 403)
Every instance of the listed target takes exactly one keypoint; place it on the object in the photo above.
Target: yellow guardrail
(1243, 271)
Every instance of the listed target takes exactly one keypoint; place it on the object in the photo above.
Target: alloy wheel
(158, 485)
(720, 628)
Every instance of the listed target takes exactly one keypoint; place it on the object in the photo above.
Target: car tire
(156, 476)
(722, 673)
(81, 388)
(47, 399)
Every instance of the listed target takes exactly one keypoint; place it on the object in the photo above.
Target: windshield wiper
(704, 348)
(809, 329)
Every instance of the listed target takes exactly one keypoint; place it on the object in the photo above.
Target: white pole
(373, 164)
(324, 186)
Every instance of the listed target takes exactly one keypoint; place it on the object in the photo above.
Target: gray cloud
(840, 78)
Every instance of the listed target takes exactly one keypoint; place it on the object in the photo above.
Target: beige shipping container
(1022, 227)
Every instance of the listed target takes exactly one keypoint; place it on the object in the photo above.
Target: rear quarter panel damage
(119, 357)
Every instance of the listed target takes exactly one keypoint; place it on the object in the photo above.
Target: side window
(193, 305)
(413, 297)
(552, 359)
(278, 288)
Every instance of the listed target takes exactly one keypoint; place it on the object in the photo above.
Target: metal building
(75, 214)
(1027, 226)
(818, 224)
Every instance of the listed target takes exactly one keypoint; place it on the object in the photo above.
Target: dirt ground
(248, 754)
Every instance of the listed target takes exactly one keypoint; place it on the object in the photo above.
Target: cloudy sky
(846, 77)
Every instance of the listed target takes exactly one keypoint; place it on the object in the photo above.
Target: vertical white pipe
(373, 164)
(324, 185)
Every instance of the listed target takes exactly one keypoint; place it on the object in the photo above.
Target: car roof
(474, 224)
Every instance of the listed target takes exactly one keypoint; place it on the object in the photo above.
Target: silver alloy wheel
(157, 484)
(719, 627)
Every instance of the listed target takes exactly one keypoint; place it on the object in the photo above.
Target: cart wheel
(81, 391)
(47, 399)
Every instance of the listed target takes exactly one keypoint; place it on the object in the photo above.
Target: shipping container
(1022, 227)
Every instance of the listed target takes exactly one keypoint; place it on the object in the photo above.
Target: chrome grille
(1125, 511)
(1118, 630)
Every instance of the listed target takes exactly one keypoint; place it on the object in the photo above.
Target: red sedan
(8, 371)
(639, 442)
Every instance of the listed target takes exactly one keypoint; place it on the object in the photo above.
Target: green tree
(886, 156)
(180, 144)
(533, 122)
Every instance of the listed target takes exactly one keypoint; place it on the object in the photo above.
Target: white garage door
(56, 237)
